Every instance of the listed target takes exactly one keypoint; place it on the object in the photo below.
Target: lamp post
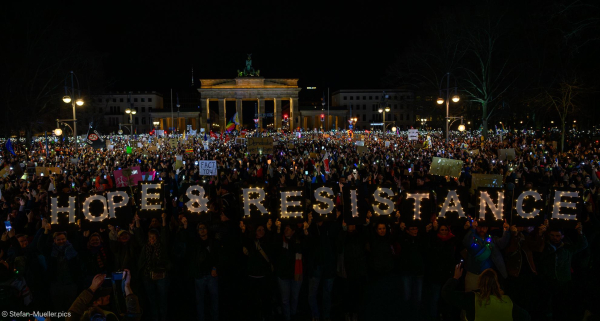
(423, 121)
(455, 98)
(130, 112)
(74, 102)
(384, 110)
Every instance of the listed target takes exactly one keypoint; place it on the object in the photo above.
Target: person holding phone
(91, 303)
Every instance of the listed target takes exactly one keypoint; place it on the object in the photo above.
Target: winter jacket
(555, 261)
(440, 258)
(352, 251)
(285, 254)
(478, 247)
(521, 248)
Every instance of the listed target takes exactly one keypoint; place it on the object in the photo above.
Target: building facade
(364, 104)
(108, 111)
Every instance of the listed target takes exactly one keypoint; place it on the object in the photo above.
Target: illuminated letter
(520, 200)
(558, 195)
(146, 196)
(353, 203)
(54, 209)
(418, 198)
(200, 199)
(390, 205)
(112, 206)
(253, 201)
(323, 199)
(485, 199)
(452, 197)
(86, 208)
(285, 204)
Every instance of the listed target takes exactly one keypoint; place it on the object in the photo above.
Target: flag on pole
(9, 147)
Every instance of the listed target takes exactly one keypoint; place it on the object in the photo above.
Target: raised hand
(86, 233)
(458, 271)
(242, 227)
(579, 228)
(97, 282)
(428, 227)
(435, 225)
(506, 226)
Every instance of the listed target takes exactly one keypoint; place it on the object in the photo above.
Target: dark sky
(153, 45)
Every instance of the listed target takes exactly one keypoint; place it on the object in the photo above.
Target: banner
(446, 167)
(494, 205)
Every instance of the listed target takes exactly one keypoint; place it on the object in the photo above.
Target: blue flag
(9, 147)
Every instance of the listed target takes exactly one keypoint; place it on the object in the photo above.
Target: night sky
(153, 46)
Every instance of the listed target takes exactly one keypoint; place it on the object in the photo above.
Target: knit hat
(120, 232)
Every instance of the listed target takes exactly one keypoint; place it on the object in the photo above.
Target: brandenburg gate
(250, 86)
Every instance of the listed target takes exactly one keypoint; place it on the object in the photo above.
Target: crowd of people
(220, 266)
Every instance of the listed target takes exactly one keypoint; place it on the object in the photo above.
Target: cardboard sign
(148, 176)
(506, 154)
(446, 167)
(360, 143)
(474, 152)
(387, 143)
(47, 171)
(173, 142)
(178, 162)
(208, 167)
(413, 134)
(485, 180)
(257, 145)
(362, 149)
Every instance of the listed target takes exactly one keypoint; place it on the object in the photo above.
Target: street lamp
(461, 128)
(58, 132)
(130, 112)
(455, 98)
(78, 102)
(384, 110)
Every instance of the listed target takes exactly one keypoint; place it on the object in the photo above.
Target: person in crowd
(202, 267)
(440, 258)
(555, 269)
(94, 302)
(320, 263)
(411, 261)
(63, 270)
(153, 265)
(488, 303)
(287, 253)
(257, 246)
(352, 268)
(483, 251)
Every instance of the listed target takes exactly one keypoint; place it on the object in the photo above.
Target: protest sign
(474, 152)
(413, 134)
(208, 167)
(362, 149)
(258, 145)
(128, 177)
(485, 180)
(506, 154)
(446, 167)
(173, 142)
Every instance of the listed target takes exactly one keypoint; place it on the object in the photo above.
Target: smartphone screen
(305, 172)
(7, 225)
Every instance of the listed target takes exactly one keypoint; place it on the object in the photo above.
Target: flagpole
(46, 135)
(172, 117)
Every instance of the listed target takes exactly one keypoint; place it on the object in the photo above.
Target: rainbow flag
(231, 124)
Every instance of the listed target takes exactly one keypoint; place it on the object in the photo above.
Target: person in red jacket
(103, 183)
